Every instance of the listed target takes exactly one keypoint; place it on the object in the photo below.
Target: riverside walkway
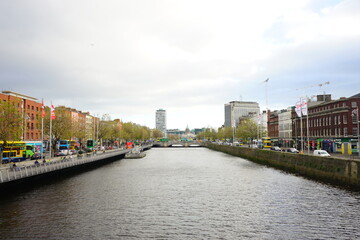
(28, 169)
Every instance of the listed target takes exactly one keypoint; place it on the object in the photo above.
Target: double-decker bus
(266, 142)
(33, 147)
(90, 144)
(13, 151)
(65, 145)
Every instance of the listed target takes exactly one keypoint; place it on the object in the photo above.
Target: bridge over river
(178, 144)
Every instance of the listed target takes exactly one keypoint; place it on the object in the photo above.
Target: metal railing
(34, 168)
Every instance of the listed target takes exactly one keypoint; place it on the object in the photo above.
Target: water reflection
(182, 193)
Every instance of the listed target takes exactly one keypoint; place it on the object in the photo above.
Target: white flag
(354, 112)
(304, 107)
(298, 109)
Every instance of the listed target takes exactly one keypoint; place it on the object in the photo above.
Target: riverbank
(343, 172)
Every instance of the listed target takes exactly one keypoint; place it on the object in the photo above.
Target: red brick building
(273, 125)
(31, 112)
(331, 123)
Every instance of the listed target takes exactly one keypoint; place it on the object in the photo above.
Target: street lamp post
(358, 130)
(358, 135)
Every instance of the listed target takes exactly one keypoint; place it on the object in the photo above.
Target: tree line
(13, 124)
(247, 129)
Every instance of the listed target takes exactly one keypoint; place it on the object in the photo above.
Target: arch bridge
(178, 144)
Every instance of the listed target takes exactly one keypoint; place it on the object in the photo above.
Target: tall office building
(161, 120)
(238, 110)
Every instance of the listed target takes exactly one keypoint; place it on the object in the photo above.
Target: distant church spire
(187, 130)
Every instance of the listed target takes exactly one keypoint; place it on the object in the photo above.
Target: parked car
(275, 148)
(321, 153)
(236, 144)
(292, 150)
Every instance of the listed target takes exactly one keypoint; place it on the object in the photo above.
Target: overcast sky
(130, 58)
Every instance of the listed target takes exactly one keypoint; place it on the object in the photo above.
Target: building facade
(30, 112)
(285, 128)
(160, 120)
(331, 124)
(236, 111)
(273, 126)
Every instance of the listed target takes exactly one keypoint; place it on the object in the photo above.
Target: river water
(181, 193)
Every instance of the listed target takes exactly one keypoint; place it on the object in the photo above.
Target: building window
(354, 118)
(32, 108)
(345, 132)
(345, 119)
(354, 131)
(353, 104)
(339, 119)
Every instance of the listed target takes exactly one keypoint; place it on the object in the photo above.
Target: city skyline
(128, 59)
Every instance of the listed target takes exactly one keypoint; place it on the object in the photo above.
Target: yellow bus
(13, 151)
(266, 142)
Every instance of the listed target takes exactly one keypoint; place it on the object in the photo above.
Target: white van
(321, 153)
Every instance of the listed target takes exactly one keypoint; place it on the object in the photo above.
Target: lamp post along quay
(355, 113)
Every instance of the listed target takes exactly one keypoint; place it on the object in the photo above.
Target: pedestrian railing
(11, 173)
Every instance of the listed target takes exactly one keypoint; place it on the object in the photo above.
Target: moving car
(275, 148)
(292, 150)
(321, 153)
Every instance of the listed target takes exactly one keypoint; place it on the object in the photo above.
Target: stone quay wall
(344, 172)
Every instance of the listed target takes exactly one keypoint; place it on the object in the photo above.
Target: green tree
(156, 133)
(11, 121)
(61, 125)
(247, 129)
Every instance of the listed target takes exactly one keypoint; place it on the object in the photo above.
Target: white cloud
(129, 58)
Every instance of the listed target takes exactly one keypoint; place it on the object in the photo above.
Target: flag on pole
(53, 112)
(354, 112)
(42, 109)
(298, 108)
(304, 107)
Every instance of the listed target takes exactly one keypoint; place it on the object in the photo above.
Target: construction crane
(315, 85)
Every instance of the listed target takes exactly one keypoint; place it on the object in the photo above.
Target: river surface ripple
(181, 193)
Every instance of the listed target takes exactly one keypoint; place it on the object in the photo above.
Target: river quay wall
(28, 173)
(343, 172)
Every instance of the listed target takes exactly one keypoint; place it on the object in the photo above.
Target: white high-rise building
(161, 120)
(238, 110)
